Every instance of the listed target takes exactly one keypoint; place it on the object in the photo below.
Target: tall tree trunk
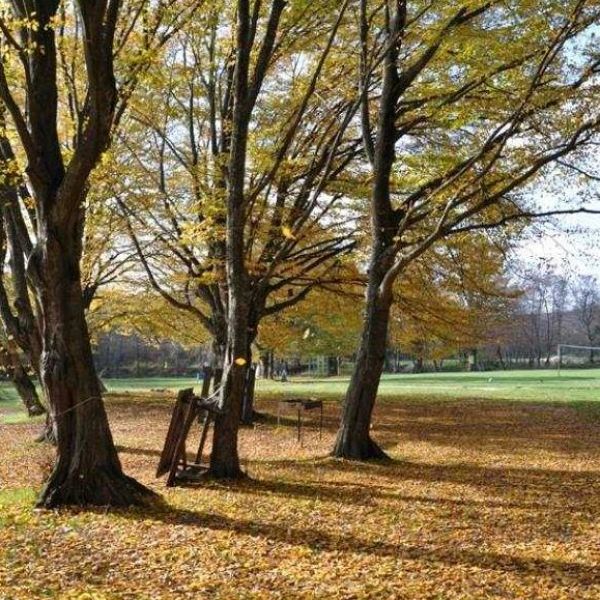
(353, 438)
(224, 458)
(18, 319)
(245, 90)
(87, 470)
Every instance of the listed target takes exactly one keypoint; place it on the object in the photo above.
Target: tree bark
(248, 412)
(26, 390)
(48, 435)
(219, 349)
(9, 359)
(245, 90)
(353, 438)
(18, 320)
(224, 458)
(87, 469)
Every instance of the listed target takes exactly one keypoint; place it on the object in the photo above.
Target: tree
(87, 468)
(59, 87)
(471, 103)
(247, 82)
(240, 119)
(12, 364)
(331, 330)
(22, 343)
(542, 308)
(453, 299)
(102, 261)
(19, 316)
(587, 309)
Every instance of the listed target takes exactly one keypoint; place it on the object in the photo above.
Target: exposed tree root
(47, 435)
(364, 449)
(226, 472)
(102, 487)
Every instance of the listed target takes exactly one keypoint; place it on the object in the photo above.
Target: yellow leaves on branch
(287, 233)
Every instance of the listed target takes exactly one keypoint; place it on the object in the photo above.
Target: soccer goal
(569, 355)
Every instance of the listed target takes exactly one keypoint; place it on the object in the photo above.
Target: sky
(570, 243)
(572, 247)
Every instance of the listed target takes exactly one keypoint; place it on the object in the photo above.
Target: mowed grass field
(537, 385)
(532, 385)
(580, 387)
(493, 491)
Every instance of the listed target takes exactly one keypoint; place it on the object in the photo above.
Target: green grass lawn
(583, 385)
(540, 385)
(577, 386)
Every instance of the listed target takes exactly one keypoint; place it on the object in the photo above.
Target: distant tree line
(549, 309)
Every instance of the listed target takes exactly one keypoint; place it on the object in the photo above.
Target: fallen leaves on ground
(482, 500)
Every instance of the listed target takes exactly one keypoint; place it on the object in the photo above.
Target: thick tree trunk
(353, 439)
(87, 469)
(224, 458)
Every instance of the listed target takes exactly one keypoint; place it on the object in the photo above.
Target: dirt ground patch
(483, 500)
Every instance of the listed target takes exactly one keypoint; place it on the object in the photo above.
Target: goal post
(563, 353)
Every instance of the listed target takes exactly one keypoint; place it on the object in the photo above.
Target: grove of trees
(267, 173)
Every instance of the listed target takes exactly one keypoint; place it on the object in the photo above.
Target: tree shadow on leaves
(359, 494)
(317, 539)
